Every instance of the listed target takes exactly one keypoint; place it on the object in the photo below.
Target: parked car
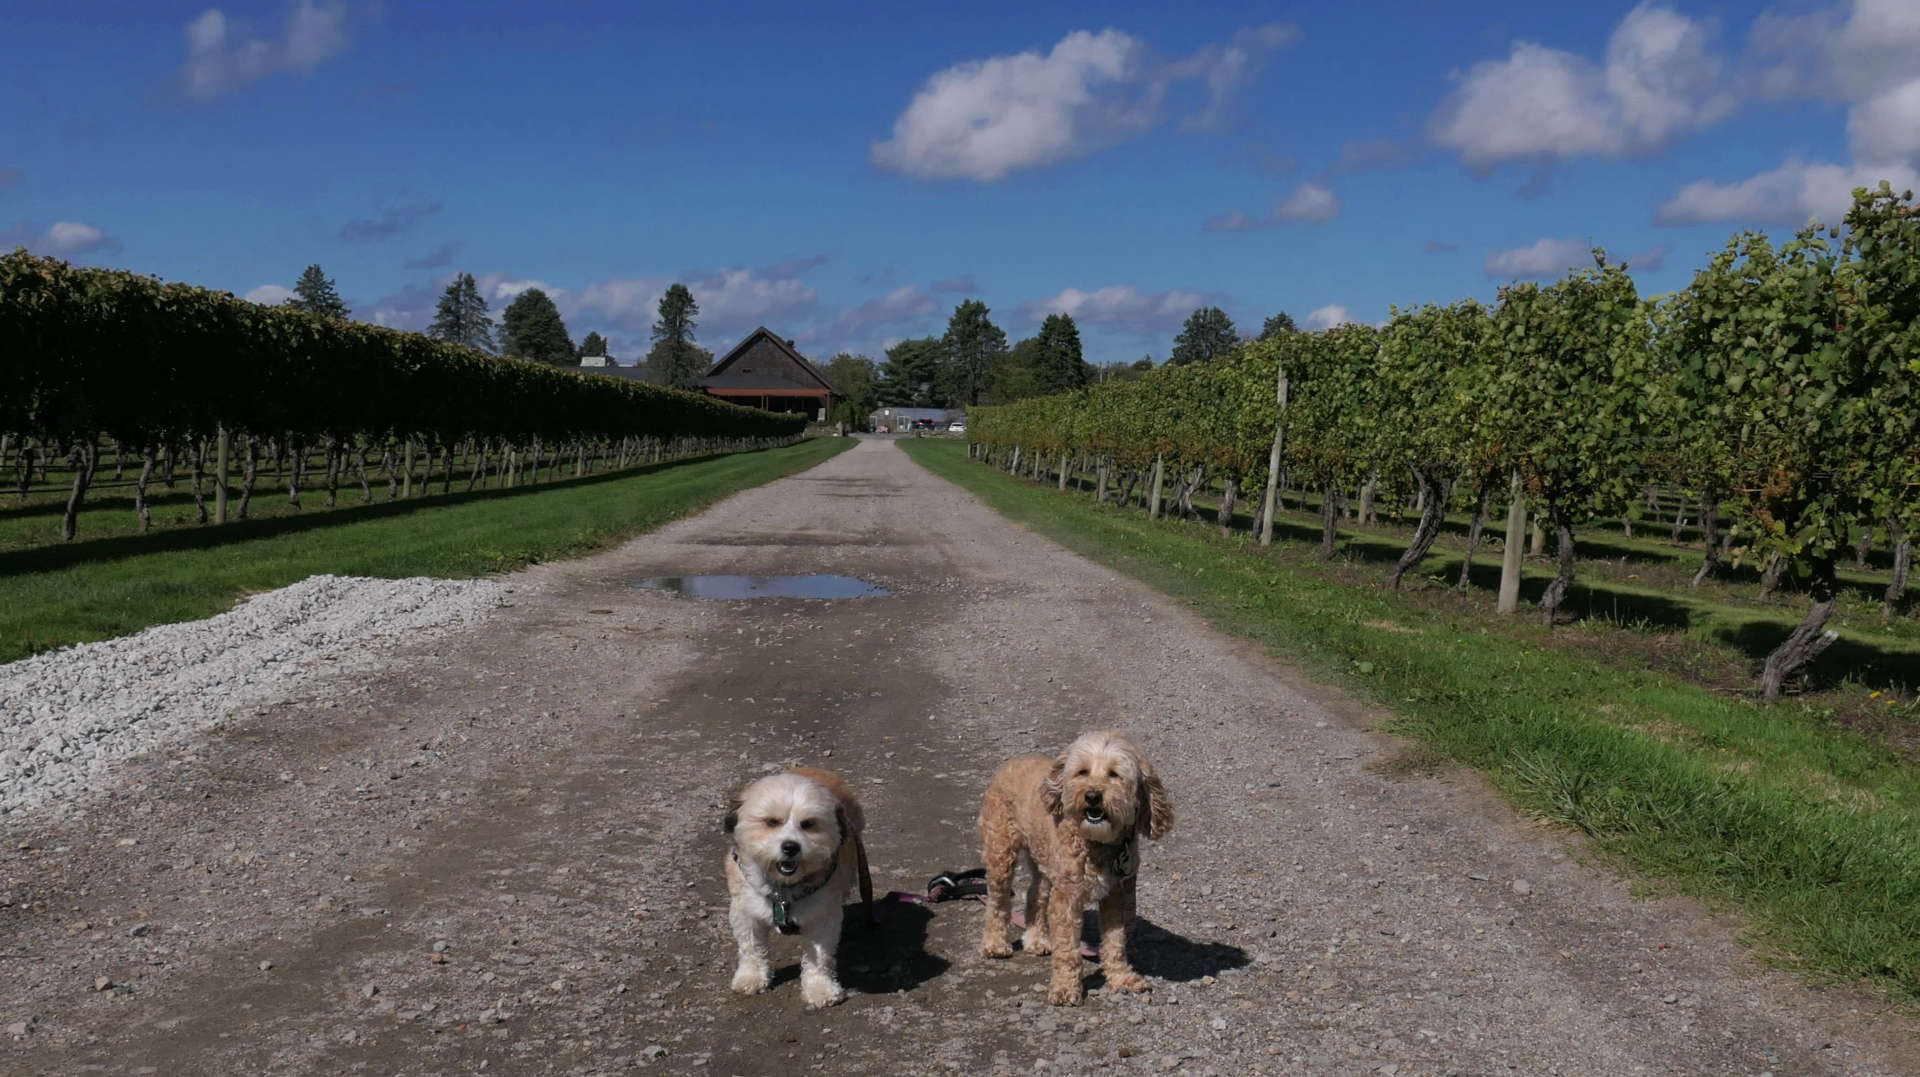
(958, 426)
(925, 424)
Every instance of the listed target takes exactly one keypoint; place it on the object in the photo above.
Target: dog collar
(783, 897)
(1121, 854)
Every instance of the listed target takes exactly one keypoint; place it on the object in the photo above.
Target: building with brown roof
(765, 371)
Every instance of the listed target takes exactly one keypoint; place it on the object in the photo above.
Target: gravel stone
(66, 717)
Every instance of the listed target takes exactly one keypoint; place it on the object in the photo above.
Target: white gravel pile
(66, 717)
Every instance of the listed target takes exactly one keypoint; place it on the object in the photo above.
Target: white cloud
(1328, 316)
(1310, 203)
(1886, 126)
(62, 239)
(72, 237)
(1789, 195)
(984, 119)
(271, 295)
(1658, 80)
(223, 57)
(498, 289)
(1545, 259)
(1121, 305)
(1865, 54)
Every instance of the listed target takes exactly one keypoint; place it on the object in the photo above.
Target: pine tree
(1208, 334)
(1059, 365)
(974, 346)
(911, 376)
(674, 359)
(315, 294)
(531, 328)
(462, 316)
(595, 344)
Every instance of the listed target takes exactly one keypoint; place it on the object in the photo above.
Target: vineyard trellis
(1781, 386)
(177, 373)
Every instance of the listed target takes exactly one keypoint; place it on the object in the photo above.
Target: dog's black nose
(790, 848)
(1094, 797)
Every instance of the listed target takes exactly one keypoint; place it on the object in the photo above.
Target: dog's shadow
(1154, 951)
(878, 959)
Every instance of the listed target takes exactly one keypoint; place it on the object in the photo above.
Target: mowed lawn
(1808, 826)
(55, 595)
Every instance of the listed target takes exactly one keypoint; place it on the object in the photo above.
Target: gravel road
(498, 847)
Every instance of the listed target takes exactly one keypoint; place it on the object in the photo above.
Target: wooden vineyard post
(1153, 505)
(1510, 557)
(406, 471)
(1273, 464)
(223, 441)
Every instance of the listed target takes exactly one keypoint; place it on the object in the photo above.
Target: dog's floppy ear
(1155, 817)
(840, 820)
(1050, 790)
(733, 816)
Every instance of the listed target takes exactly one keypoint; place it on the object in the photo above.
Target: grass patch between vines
(1809, 828)
(57, 595)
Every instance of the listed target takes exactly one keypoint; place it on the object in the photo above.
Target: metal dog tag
(783, 919)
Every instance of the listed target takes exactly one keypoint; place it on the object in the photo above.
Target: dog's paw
(996, 947)
(821, 993)
(1127, 980)
(1035, 942)
(1066, 992)
(749, 981)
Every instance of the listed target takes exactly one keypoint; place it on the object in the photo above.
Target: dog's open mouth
(1096, 816)
(785, 867)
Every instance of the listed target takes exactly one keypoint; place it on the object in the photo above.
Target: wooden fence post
(1510, 558)
(1273, 464)
(220, 474)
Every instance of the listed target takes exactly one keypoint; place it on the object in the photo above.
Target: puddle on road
(728, 588)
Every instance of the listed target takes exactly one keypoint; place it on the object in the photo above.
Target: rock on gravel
(67, 716)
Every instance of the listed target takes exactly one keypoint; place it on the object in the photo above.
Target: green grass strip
(84, 591)
(1814, 833)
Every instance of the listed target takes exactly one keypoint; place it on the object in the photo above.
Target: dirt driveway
(503, 850)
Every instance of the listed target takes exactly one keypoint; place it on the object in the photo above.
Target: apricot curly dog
(1074, 823)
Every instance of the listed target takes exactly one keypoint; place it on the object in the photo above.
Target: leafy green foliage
(531, 328)
(973, 346)
(858, 379)
(314, 293)
(96, 352)
(462, 316)
(911, 376)
(1278, 324)
(1208, 334)
(1058, 364)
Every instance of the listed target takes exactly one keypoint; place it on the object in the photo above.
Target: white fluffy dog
(796, 851)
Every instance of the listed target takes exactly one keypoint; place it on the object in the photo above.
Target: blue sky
(847, 175)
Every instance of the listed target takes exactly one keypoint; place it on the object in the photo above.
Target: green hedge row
(91, 352)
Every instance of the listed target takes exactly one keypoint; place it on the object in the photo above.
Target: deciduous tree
(1208, 334)
(531, 328)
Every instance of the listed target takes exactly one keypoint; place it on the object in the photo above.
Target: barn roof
(814, 379)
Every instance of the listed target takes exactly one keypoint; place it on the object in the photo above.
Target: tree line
(971, 364)
(531, 326)
(1781, 387)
